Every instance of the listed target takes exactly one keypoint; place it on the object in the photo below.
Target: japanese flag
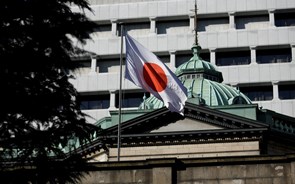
(145, 70)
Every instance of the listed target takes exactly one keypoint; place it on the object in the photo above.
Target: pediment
(196, 118)
(199, 124)
(186, 124)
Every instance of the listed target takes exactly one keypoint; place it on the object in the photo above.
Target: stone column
(112, 100)
(172, 60)
(191, 22)
(271, 14)
(114, 26)
(153, 29)
(232, 24)
(213, 56)
(93, 65)
(275, 88)
(253, 54)
(293, 52)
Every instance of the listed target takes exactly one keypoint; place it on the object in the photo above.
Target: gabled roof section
(138, 131)
(162, 117)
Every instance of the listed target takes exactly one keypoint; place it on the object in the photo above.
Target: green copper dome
(196, 65)
(204, 85)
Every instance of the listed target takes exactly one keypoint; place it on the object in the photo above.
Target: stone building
(237, 126)
(222, 138)
(250, 42)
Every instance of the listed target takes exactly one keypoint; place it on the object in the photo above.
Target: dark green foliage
(39, 107)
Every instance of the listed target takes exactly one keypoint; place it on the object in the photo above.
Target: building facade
(251, 42)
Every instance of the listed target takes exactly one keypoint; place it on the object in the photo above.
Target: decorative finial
(196, 48)
(196, 28)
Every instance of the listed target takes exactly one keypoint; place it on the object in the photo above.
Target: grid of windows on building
(227, 58)
(278, 55)
(94, 101)
(285, 19)
(131, 99)
(258, 93)
(287, 91)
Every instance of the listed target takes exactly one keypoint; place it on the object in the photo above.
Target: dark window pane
(285, 19)
(103, 28)
(212, 24)
(258, 93)
(205, 56)
(84, 63)
(165, 59)
(128, 27)
(182, 58)
(233, 58)
(251, 21)
(131, 99)
(106, 65)
(273, 55)
(287, 91)
(164, 26)
(94, 101)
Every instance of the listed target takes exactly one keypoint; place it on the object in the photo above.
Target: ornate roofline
(187, 137)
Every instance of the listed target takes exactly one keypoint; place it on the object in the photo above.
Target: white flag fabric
(145, 70)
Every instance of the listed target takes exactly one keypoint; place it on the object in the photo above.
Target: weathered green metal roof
(213, 94)
(196, 65)
(203, 82)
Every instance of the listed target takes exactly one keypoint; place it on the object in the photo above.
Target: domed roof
(203, 82)
(196, 65)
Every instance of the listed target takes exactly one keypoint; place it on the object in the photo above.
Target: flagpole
(120, 97)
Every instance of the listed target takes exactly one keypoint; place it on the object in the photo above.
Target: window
(131, 99)
(172, 27)
(287, 91)
(252, 22)
(83, 66)
(103, 30)
(94, 101)
(233, 58)
(285, 19)
(205, 56)
(212, 24)
(258, 93)
(164, 59)
(182, 58)
(279, 55)
(108, 65)
(136, 28)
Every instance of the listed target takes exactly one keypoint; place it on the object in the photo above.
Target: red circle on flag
(155, 76)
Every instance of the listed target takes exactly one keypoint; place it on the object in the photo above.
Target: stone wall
(226, 170)
(186, 151)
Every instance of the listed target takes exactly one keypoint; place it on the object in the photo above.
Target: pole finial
(196, 28)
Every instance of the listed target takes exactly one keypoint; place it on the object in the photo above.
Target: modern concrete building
(251, 42)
